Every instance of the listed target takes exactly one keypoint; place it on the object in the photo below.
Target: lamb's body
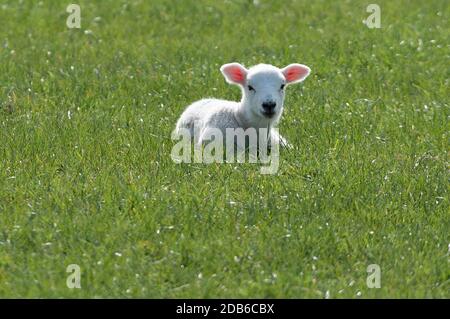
(221, 114)
(209, 113)
(260, 108)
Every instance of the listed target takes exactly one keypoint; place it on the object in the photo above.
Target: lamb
(263, 91)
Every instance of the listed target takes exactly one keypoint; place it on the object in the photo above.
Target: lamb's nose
(269, 105)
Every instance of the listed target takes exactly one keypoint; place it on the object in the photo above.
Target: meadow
(86, 176)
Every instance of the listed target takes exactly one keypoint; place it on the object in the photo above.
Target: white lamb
(263, 89)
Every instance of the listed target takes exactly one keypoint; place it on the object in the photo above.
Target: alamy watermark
(74, 279)
(74, 19)
(374, 276)
(374, 19)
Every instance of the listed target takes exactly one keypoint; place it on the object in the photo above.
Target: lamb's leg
(275, 137)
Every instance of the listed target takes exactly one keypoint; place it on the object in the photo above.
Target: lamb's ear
(234, 73)
(294, 73)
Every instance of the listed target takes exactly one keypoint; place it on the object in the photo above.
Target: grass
(86, 175)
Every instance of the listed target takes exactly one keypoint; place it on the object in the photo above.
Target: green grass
(366, 183)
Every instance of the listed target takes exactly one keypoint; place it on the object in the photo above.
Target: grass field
(86, 175)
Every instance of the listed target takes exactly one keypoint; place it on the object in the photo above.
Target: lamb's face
(263, 86)
(264, 91)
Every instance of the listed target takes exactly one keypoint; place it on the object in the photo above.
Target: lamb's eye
(250, 88)
(282, 86)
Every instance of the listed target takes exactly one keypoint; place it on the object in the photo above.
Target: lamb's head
(263, 86)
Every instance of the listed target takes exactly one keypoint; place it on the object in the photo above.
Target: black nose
(269, 105)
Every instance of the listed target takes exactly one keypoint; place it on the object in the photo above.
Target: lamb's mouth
(268, 114)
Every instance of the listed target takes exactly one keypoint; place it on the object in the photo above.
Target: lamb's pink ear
(234, 73)
(294, 73)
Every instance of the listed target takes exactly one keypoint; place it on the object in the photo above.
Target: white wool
(261, 106)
